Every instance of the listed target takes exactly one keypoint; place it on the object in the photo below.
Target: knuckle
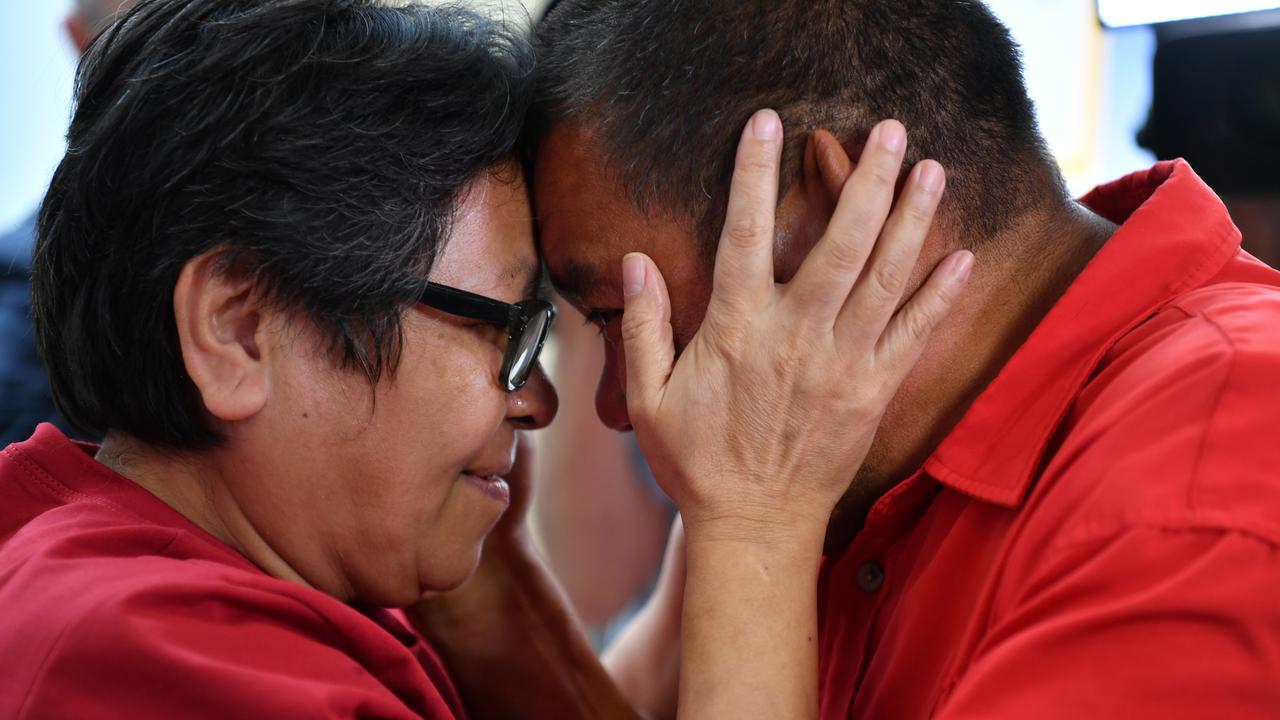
(640, 410)
(849, 254)
(753, 163)
(936, 298)
(883, 174)
(787, 359)
(634, 326)
(919, 323)
(942, 298)
(919, 215)
(743, 230)
(862, 403)
(794, 358)
(729, 336)
(889, 277)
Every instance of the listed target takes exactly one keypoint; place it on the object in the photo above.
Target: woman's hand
(759, 426)
(509, 639)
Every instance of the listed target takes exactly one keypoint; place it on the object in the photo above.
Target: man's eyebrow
(577, 280)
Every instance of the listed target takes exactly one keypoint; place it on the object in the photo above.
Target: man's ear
(806, 209)
(828, 165)
(220, 320)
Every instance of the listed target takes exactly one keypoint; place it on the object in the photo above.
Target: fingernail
(893, 136)
(931, 177)
(632, 274)
(766, 125)
(961, 265)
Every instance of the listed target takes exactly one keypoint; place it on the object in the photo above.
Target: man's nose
(534, 405)
(611, 394)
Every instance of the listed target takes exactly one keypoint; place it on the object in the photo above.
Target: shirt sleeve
(197, 656)
(1146, 622)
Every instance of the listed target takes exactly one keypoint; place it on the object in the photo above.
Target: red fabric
(1099, 537)
(112, 605)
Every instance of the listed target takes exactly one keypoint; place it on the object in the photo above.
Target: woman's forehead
(490, 249)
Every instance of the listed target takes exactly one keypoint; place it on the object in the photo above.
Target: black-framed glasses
(527, 323)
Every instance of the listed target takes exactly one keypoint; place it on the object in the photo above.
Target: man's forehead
(585, 221)
(571, 175)
(588, 222)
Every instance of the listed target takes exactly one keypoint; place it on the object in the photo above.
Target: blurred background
(1117, 84)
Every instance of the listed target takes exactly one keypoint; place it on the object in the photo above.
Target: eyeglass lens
(524, 353)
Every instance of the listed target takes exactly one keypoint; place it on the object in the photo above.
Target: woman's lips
(491, 485)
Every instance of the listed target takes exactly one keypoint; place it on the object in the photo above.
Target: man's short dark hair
(666, 86)
(322, 144)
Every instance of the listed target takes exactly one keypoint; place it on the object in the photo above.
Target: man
(1071, 506)
(24, 388)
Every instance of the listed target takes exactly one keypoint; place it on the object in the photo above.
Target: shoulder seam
(1196, 523)
(1211, 421)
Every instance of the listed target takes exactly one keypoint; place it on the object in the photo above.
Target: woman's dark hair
(322, 145)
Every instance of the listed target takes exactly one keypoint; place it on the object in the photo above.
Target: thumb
(646, 332)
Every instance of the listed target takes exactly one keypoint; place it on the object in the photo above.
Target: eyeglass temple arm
(460, 302)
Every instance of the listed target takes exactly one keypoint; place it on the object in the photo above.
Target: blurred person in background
(1225, 122)
(24, 387)
(1071, 506)
(89, 17)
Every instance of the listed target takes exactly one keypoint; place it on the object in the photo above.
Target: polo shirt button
(870, 577)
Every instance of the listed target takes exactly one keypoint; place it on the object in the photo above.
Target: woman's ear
(220, 322)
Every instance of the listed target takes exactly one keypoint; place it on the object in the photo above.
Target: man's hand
(758, 427)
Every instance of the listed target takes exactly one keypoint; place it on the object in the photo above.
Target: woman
(286, 268)
(252, 277)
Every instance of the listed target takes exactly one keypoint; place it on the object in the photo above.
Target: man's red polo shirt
(1099, 537)
(112, 605)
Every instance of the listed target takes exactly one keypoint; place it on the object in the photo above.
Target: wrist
(757, 533)
(726, 566)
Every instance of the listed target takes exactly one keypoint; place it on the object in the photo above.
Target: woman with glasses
(286, 269)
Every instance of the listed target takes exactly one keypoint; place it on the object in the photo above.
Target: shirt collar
(1175, 234)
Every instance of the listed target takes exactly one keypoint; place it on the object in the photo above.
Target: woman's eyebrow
(534, 274)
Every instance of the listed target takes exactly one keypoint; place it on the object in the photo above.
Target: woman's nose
(534, 405)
